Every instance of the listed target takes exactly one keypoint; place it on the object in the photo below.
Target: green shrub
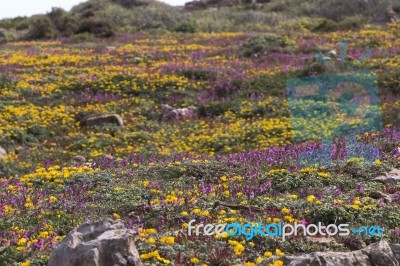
(131, 3)
(186, 26)
(65, 23)
(352, 23)
(259, 44)
(98, 27)
(339, 9)
(41, 27)
(326, 25)
(213, 109)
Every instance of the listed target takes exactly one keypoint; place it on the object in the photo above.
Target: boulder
(103, 119)
(377, 254)
(380, 195)
(392, 16)
(101, 243)
(390, 178)
(3, 153)
(169, 113)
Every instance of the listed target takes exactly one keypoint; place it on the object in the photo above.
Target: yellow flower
(116, 216)
(26, 263)
(267, 254)
(249, 264)
(149, 255)
(279, 252)
(310, 198)
(238, 249)
(53, 199)
(224, 178)
(322, 174)
(169, 240)
(222, 212)
(57, 238)
(184, 213)
(276, 263)
(204, 213)
(338, 201)
(150, 240)
(28, 205)
(276, 220)
(43, 234)
(259, 259)
(196, 211)
(22, 241)
(194, 260)
(293, 196)
(285, 211)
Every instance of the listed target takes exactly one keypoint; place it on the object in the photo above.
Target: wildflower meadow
(237, 160)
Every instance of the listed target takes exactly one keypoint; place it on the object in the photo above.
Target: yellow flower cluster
(56, 174)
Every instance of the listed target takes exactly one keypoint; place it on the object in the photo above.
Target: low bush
(41, 27)
(259, 44)
(98, 27)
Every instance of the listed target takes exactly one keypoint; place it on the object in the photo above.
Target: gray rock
(102, 119)
(3, 153)
(2, 249)
(377, 254)
(380, 195)
(137, 60)
(391, 178)
(101, 243)
(79, 159)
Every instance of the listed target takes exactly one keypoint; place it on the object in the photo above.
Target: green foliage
(260, 44)
(348, 23)
(186, 26)
(98, 27)
(333, 215)
(66, 24)
(213, 109)
(41, 27)
(131, 3)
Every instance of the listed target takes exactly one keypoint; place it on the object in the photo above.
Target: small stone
(102, 119)
(3, 153)
(390, 178)
(378, 195)
(2, 249)
(79, 159)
